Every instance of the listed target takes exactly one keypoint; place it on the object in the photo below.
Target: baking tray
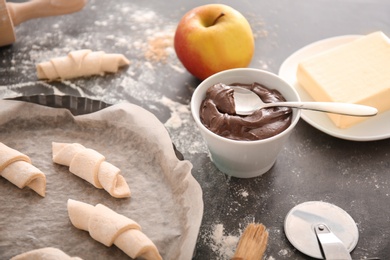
(76, 105)
(132, 139)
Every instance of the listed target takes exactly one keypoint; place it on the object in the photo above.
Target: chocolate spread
(217, 113)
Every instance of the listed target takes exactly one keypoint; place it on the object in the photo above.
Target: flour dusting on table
(221, 243)
(142, 35)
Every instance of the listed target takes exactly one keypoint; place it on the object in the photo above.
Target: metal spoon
(247, 102)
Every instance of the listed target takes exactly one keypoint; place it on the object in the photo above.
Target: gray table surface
(313, 165)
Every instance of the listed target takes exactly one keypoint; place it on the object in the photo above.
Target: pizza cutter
(13, 14)
(321, 230)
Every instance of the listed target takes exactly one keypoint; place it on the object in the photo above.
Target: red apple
(212, 38)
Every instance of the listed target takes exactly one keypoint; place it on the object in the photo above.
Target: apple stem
(216, 19)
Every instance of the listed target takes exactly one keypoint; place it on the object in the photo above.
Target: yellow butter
(357, 72)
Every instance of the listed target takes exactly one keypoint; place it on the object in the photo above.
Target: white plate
(375, 128)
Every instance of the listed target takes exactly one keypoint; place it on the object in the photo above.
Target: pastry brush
(252, 243)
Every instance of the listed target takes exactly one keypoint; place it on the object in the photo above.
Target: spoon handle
(330, 107)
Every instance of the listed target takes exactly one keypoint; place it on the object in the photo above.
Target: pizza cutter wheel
(321, 230)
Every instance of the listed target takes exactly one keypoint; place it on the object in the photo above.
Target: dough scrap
(91, 166)
(46, 253)
(81, 63)
(108, 227)
(16, 167)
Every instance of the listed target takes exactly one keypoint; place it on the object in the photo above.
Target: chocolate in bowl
(217, 113)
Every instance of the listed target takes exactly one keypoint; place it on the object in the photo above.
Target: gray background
(313, 165)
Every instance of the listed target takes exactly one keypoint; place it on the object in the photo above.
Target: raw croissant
(81, 63)
(46, 253)
(17, 168)
(108, 227)
(91, 166)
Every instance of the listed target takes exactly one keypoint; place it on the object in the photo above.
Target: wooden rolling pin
(13, 14)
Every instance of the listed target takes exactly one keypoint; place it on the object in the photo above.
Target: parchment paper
(166, 200)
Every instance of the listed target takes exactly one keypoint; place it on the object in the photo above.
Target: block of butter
(357, 72)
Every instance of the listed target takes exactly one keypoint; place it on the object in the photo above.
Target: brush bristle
(252, 243)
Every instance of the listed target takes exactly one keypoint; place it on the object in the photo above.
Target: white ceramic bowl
(244, 159)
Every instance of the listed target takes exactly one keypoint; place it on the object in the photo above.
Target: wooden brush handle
(21, 12)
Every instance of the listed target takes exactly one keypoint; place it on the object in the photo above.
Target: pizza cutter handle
(331, 246)
(21, 12)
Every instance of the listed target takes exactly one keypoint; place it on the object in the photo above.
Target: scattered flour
(12, 90)
(244, 193)
(224, 245)
(144, 36)
(283, 252)
(180, 114)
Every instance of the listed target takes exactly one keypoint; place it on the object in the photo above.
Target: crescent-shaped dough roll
(108, 227)
(91, 166)
(81, 63)
(17, 168)
(46, 253)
